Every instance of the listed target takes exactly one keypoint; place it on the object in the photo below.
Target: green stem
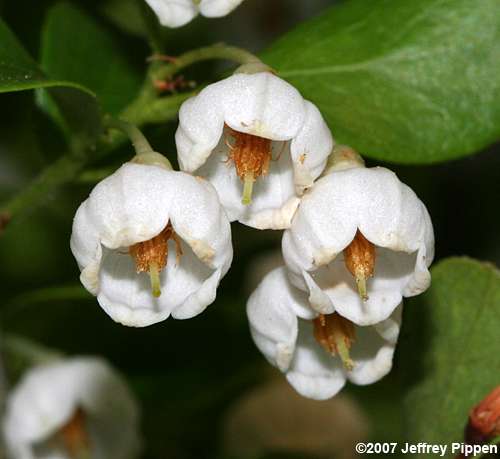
(63, 170)
(92, 176)
(141, 144)
(156, 110)
(218, 51)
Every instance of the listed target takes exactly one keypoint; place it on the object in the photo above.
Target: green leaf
(18, 70)
(76, 48)
(449, 349)
(402, 81)
(76, 107)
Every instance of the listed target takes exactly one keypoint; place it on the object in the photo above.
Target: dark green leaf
(18, 71)
(449, 349)
(402, 81)
(76, 48)
(75, 108)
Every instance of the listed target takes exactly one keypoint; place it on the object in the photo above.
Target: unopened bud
(484, 419)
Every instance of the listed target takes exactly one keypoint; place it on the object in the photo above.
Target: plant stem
(63, 170)
(217, 51)
(141, 144)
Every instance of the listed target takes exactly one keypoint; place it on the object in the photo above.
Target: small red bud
(484, 419)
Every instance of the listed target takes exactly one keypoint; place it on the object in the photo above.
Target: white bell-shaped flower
(254, 136)
(318, 353)
(176, 13)
(360, 241)
(147, 220)
(73, 408)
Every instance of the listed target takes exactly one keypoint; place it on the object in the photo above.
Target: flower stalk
(217, 51)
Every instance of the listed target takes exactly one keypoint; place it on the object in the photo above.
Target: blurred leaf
(76, 48)
(19, 354)
(408, 82)
(48, 294)
(451, 352)
(76, 107)
(125, 14)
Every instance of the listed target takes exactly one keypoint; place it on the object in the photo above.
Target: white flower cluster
(152, 242)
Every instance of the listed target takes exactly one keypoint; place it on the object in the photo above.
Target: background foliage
(404, 82)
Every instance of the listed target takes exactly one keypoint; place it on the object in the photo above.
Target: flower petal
(174, 13)
(129, 206)
(187, 288)
(310, 149)
(273, 322)
(371, 353)
(314, 373)
(385, 290)
(199, 219)
(389, 329)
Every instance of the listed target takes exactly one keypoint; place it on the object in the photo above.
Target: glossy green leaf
(18, 70)
(401, 81)
(449, 349)
(76, 48)
(75, 106)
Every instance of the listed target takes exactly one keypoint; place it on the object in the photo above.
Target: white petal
(218, 8)
(260, 104)
(201, 124)
(385, 290)
(272, 319)
(47, 397)
(199, 219)
(174, 13)
(199, 299)
(318, 299)
(371, 353)
(313, 372)
(129, 206)
(86, 247)
(389, 329)
(421, 279)
(310, 149)
(187, 288)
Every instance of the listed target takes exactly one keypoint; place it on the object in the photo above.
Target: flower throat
(251, 155)
(151, 256)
